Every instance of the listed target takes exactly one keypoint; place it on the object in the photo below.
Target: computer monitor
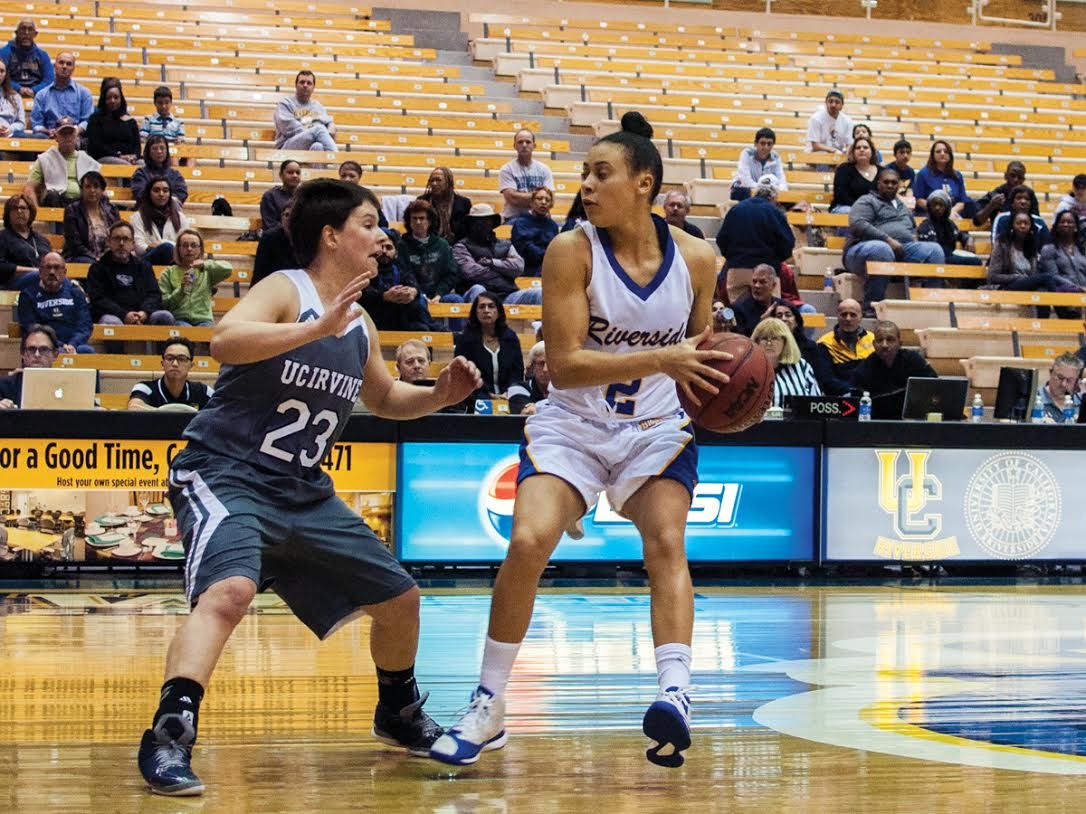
(1015, 393)
(945, 395)
(58, 388)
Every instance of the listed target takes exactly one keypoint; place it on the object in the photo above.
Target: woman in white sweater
(157, 222)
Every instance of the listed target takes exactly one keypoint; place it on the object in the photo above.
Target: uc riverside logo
(1012, 505)
(905, 497)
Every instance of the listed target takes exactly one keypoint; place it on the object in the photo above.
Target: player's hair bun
(634, 122)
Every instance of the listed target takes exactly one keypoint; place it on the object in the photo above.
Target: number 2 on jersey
(326, 417)
(622, 396)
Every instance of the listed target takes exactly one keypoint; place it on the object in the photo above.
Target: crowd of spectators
(448, 248)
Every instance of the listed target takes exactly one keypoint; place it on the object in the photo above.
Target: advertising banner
(455, 503)
(954, 504)
(99, 500)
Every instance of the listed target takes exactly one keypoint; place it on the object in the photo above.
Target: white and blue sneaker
(667, 725)
(480, 729)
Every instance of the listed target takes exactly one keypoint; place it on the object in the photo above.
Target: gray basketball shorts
(319, 556)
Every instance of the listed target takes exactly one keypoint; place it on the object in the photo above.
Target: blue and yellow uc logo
(905, 497)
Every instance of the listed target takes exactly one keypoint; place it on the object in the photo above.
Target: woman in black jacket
(87, 221)
(494, 348)
(113, 137)
(451, 208)
(156, 164)
(21, 248)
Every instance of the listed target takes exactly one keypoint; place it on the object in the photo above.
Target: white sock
(498, 658)
(673, 665)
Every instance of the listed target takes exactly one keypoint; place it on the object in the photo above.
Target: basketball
(743, 401)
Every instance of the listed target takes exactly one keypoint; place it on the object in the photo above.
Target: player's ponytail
(635, 138)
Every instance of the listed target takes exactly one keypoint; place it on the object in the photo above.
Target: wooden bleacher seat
(141, 363)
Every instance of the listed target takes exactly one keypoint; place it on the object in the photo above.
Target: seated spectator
(523, 398)
(792, 317)
(122, 287)
(829, 130)
(903, 151)
(855, 177)
(173, 387)
(890, 367)
(427, 256)
(188, 286)
(350, 172)
(37, 348)
(794, 376)
(274, 251)
(841, 350)
(450, 207)
(64, 100)
(50, 298)
(21, 248)
(940, 174)
(517, 178)
(12, 115)
(494, 348)
(676, 210)
(30, 68)
(113, 137)
(163, 122)
(413, 362)
(393, 298)
(882, 229)
(1075, 200)
(1063, 259)
(156, 164)
(87, 221)
(756, 161)
(1022, 199)
(274, 199)
(1063, 381)
(999, 199)
(301, 122)
(55, 175)
(938, 228)
(1012, 265)
(157, 222)
(861, 130)
(751, 307)
(484, 259)
(754, 231)
(532, 233)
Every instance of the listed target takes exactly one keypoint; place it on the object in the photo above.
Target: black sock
(397, 688)
(179, 705)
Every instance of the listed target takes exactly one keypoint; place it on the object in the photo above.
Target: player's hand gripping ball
(742, 402)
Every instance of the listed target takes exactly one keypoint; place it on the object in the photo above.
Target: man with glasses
(1063, 381)
(38, 348)
(122, 287)
(174, 387)
(50, 298)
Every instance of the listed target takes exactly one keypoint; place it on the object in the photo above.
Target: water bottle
(1038, 414)
(976, 415)
(827, 280)
(1068, 409)
(865, 407)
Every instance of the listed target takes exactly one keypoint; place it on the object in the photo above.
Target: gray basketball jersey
(283, 414)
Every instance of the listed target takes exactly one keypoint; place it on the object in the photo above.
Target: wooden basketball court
(824, 699)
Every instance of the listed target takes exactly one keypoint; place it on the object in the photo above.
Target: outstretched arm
(389, 398)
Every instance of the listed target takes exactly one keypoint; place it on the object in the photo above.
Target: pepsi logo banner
(455, 504)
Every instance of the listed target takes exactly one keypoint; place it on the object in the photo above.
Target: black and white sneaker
(409, 728)
(165, 763)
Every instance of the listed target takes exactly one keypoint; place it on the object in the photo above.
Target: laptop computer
(58, 388)
(946, 395)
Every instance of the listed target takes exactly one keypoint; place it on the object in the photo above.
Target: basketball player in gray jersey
(255, 508)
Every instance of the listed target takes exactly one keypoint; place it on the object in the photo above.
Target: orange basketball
(743, 401)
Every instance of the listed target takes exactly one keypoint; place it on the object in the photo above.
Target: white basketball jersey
(624, 317)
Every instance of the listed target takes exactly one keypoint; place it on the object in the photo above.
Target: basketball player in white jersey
(626, 301)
